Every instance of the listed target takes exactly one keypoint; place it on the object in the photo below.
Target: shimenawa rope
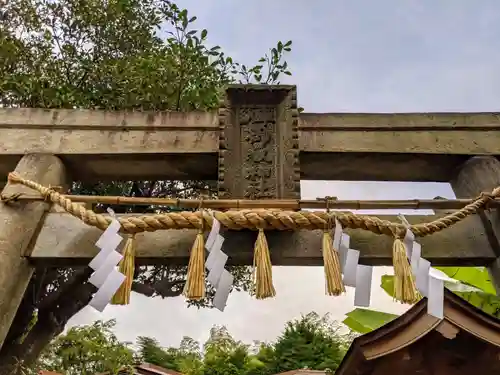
(262, 219)
(266, 219)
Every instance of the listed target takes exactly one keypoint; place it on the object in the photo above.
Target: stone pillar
(482, 174)
(259, 143)
(19, 224)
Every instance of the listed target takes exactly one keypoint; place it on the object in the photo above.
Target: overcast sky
(348, 56)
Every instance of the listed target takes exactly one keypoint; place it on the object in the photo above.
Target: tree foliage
(186, 358)
(87, 350)
(126, 54)
(224, 355)
(113, 55)
(312, 342)
(365, 320)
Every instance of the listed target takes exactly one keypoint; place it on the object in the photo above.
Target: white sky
(348, 56)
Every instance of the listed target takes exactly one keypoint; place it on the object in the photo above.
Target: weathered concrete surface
(482, 174)
(402, 121)
(105, 145)
(353, 166)
(259, 146)
(403, 147)
(19, 224)
(169, 145)
(66, 240)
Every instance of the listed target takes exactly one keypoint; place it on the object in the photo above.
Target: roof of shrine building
(149, 369)
(466, 341)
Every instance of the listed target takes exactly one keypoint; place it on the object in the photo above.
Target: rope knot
(46, 191)
(14, 178)
(399, 231)
(496, 192)
(10, 198)
(488, 196)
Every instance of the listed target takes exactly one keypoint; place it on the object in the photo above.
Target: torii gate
(256, 146)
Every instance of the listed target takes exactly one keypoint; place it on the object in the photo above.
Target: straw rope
(267, 219)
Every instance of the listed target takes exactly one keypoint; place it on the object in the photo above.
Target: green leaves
(186, 359)
(309, 342)
(313, 342)
(484, 297)
(387, 284)
(489, 303)
(270, 70)
(478, 277)
(473, 284)
(468, 278)
(470, 290)
(100, 54)
(365, 320)
(87, 350)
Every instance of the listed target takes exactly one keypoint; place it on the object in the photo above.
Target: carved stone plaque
(258, 145)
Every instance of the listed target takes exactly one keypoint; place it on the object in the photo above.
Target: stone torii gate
(256, 146)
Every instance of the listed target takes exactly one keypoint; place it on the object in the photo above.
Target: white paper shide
(218, 276)
(106, 276)
(354, 274)
(428, 280)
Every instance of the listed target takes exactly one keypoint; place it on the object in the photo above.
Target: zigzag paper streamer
(218, 276)
(106, 276)
(428, 280)
(354, 274)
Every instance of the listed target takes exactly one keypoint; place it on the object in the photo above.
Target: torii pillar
(476, 175)
(19, 224)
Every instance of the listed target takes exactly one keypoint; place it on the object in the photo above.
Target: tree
(186, 359)
(87, 350)
(110, 54)
(312, 342)
(222, 355)
(226, 356)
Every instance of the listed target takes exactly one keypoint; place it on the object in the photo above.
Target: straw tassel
(405, 290)
(126, 267)
(334, 286)
(195, 279)
(263, 273)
